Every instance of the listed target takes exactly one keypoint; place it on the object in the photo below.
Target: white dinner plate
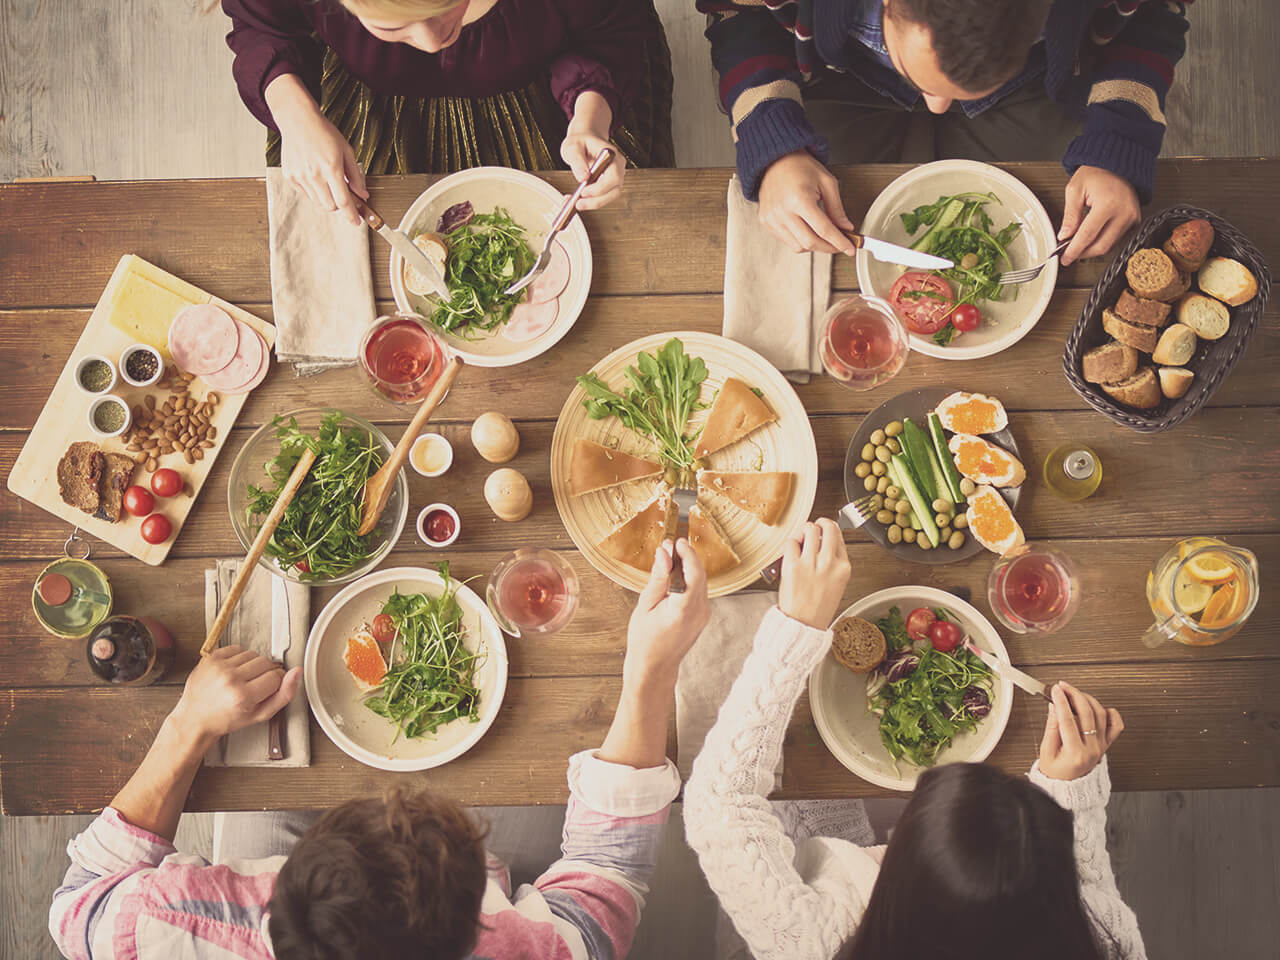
(1004, 322)
(838, 696)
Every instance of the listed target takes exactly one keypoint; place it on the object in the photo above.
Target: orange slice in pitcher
(1191, 544)
(1190, 594)
(1224, 606)
(1211, 568)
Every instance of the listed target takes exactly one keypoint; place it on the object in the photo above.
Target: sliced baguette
(1136, 335)
(1175, 381)
(1209, 318)
(1110, 362)
(1152, 275)
(1141, 390)
(1177, 345)
(1228, 280)
(1189, 244)
(1151, 313)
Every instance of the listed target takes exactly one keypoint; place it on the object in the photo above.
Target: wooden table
(1207, 717)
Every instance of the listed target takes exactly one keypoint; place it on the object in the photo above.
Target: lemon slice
(1210, 568)
(1190, 594)
(1191, 544)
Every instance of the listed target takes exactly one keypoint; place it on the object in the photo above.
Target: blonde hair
(396, 9)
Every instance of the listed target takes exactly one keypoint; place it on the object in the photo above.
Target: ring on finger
(1090, 733)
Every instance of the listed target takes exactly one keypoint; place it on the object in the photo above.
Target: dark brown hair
(979, 43)
(382, 880)
(981, 866)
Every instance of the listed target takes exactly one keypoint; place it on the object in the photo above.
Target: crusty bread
(1109, 363)
(858, 644)
(1189, 244)
(1152, 275)
(1177, 345)
(1184, 284)
(1151, 313)
(1209, 318)
(1136, 335)
(1140, 390)
(1228, 280)
(80, 476)
(115, 480)
(1175, 381)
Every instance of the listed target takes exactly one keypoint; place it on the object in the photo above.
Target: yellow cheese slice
(143, 310)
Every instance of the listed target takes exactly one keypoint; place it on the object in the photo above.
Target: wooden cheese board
(137, 305)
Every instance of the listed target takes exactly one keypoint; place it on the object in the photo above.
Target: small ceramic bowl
(141, 348)
(109, 400)
(84, 362)
(422, 525)
(427, 440)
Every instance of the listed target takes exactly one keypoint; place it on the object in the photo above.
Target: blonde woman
(432, 86)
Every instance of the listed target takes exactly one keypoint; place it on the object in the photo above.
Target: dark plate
(916, 404)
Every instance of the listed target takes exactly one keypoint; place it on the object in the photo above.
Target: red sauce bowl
(438, 525)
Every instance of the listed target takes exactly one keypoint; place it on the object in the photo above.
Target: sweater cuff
(791, 643)
(1110, 151)
(618, 790)
(1091, 790)
(772, 130)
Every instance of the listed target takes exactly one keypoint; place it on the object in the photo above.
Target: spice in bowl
(109, 416)
(438, 525)
(95, 374)
(141, 365)
(431, 455)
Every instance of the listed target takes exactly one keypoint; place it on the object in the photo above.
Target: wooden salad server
(378, 487)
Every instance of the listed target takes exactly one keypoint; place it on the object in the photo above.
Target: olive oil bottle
(1073, 471)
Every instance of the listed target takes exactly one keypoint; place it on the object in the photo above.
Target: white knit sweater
(803, 903)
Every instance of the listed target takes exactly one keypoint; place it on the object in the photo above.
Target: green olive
(869, 484)
(893, 492)
(967, 486)
(942, 519)
(894, 534)
(894, 428)
(882, 484)
(877, 437)
(890, 503)
(893, 445)
(961, 520)
(956, 541)
(877, 503)
(883, 454)
(884, 516)
(941, 506)
(863, 469)
(869, 451)
(903, 508)
(909, 535)
(879, 469)
(969, 261)
(923, 543)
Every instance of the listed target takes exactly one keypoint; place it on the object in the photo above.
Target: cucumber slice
(948, 462)
(918, 502)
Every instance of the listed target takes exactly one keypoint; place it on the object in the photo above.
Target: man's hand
(1078, 732)
(233, 688)
(1113, 209)
(815, 571)
(587, 135)
(800, 203)
(665, 625)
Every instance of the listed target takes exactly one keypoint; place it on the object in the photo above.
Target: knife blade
(402, 245)
(1023, 681)
(887, 252)
(281, 641)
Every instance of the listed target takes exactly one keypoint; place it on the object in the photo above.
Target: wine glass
(402, 357)
(1033, 589)
(533, 592)
(864, 342)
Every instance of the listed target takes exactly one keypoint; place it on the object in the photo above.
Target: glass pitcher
(1201, 592)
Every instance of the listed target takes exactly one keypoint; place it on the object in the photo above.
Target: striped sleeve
(1137, 44)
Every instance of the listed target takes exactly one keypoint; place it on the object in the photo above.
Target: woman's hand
(815, 571)
(1113, 209)
(233, 688)
(314, 156)
(665, 625)
(1078, 732)
(588, 134)
(800, 202)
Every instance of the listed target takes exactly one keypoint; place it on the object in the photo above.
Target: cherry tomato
(166, 482)
(944, 635)
(139, 501)
(384, 628)
(918, 623)
(922, 300)
(156, 528)
(303, 566)
(966, 317)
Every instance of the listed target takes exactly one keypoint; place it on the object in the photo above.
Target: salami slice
(257, 377)
(531, 320)
(550, 283)
(203, 339)
(244, 364)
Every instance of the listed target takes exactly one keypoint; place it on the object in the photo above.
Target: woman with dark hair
(981, 865)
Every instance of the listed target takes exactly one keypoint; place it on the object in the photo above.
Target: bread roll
(1135, 335)
(1151, 313)
(1152, 275)
(858, 644)
(1189, 244)
(1109, 363)
(1228, 280)
(1175, 381)
(1208, 317)
(1177, 345)
(1140, 390)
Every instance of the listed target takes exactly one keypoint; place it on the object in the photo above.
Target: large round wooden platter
(784, 445)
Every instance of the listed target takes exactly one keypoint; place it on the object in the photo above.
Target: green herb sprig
(486, 255)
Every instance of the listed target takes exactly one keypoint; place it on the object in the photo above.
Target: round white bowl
(337, 703)
(1004, 322)
(102, 401)
(422, 519)
(425, 439)
(84, 362)
(838, 696)
(141, 348)
(532, 203)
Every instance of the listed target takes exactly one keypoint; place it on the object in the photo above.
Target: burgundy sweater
(579, 45)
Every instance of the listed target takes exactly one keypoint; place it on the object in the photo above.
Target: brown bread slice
(1152, 275)
(1189, 244)
(1140, 390)
(80, 475)
(1136, 335)
(858, 644)
(1151, 313)
(1109, 363)
(115, 480)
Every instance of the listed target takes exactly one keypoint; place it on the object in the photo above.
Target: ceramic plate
(336, 701)
(838, 696)
(532, 203)
(1005, 322)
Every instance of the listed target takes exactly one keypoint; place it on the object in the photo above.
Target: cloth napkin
(251, 627)
(321, 282)
(774, 299)
(709, 669)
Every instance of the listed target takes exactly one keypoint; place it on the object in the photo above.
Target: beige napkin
(709, 669)
(774, 299)
(321, 283)
(266, 600)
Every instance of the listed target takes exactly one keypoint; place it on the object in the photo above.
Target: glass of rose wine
(402, 357)
(533, 592)
(1033, 589)
(864, 343)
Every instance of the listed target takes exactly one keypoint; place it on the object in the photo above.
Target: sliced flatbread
(736, 412)
(765, 495)
(636, 540)
(595, 467)
(710, 542)
(80, 476)
(115, 480)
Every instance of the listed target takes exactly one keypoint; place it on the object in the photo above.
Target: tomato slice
(944, 635)
(918, 623)
(384, 628)
(966, 317)
(923, 300)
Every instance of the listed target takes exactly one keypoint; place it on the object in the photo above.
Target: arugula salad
(487, 252)
(925, 693)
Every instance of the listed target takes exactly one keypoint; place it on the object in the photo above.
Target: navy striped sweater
(765, 50)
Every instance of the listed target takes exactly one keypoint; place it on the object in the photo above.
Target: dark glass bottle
(130, 650)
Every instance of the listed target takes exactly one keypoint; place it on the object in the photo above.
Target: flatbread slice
(595, 467)
(636, 540)
(80, 475)
(710, 542)
(115, 480)
(765, 495)
(736, 413)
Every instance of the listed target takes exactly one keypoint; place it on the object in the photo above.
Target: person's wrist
(187, 727)
(290, 101)
(591, 115)
(647, 684)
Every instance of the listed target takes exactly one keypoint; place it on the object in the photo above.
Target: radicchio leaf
(901, 663)
(977, 702)
(459, 215)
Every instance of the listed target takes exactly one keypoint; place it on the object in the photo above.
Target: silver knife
(402, 245)
(281, 640)
(1023, 681)
(887, 252)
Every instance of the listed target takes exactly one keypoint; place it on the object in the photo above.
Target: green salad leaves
(486, 255)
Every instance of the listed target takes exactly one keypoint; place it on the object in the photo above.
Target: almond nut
(151, 464)
(150, 401)
(190, 457)
(198, 453)
(140, 457)
(212, 432)
(207, 444)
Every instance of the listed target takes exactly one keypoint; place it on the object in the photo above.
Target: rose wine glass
(402, 357)
(1033, 589)
(864, 343)
(533, 592)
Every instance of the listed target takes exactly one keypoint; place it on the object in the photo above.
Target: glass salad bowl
(250, 470)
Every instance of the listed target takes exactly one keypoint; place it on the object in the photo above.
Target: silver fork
(684, 496)
(850, 517)
(1027, 274)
